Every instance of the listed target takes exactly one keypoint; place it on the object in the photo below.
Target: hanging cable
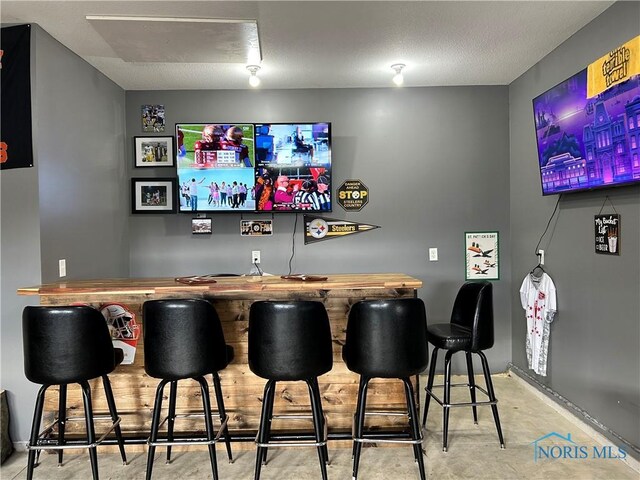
(548, 223)
(293, 243)
(258, 268)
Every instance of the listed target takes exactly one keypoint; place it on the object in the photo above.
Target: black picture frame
(153, 195)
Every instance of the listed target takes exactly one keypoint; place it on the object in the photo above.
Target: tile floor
(474, 452)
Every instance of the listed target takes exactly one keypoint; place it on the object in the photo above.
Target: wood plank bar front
(232, 297)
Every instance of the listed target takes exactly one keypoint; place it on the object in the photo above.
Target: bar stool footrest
(462, 404)
(49, 428)
(195, 441)
(298, 443)
(364, 439)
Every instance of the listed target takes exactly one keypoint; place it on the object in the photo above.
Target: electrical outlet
(541, 254)
(255, 256)
(62, 267)
(433, 254)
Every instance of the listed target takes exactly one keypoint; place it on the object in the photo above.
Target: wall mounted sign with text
(617, 66)
(256, 228)
(607, 231)
(353, 195)
(481, 256)
(319, 229)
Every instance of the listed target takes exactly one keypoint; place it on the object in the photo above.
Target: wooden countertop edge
(223, 285)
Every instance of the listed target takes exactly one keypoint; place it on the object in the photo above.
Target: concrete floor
(474, 452)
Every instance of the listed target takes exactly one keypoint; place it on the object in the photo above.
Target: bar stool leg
(415, 425)
(171, 415)
(472, 386)
(430, 380)
(91, 434)
(264, 425)
(114, 416)
(316, 412)
(447, 399)
(359, 427)
(492, 395)
(223, 414)
(355, 419)
(62, 419)
(206, 405)
(318, 406)
(270, 401)
(155, 423)
(35, 430)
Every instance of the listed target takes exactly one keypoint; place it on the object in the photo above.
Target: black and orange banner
(318, 229)
(16, 149)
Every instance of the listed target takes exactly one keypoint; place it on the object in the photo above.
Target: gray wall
(73, 204)
(594, 358)
(435, 161)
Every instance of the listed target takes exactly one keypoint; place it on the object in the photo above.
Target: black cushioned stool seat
(387, 339)
(183, 339)
(470, 331)
(290, 341)
(62, 346)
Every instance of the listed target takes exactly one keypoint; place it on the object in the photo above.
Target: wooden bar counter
(232, 296)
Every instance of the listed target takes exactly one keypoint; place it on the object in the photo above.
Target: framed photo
(153, 195)
(481, 256)
(201, 226)
(153, 152)
(153, 118)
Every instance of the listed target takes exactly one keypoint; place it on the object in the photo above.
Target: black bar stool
(386, 339)
(64, 345)
(470, 331)
(290, 341)
(183, 339)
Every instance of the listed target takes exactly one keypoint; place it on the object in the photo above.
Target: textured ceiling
(316, 44)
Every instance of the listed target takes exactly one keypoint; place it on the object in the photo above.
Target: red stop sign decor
(353, 195)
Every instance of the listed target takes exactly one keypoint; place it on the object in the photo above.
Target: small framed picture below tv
(588, 143)
(201, 226)
(264, 167)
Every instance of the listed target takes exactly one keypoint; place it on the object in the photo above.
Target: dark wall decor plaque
(353, 195)
(607, 234)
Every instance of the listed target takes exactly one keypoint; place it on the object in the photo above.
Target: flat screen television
(588, 143)
(293, 167)
(215, 166)
(254, 167)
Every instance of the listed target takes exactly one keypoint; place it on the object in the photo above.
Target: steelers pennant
(318, 229)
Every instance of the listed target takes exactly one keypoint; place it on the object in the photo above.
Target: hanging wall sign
(16, 149)
(481, 256)
(353, 195)
(607, 230)
(318, 229)
(256, 228)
